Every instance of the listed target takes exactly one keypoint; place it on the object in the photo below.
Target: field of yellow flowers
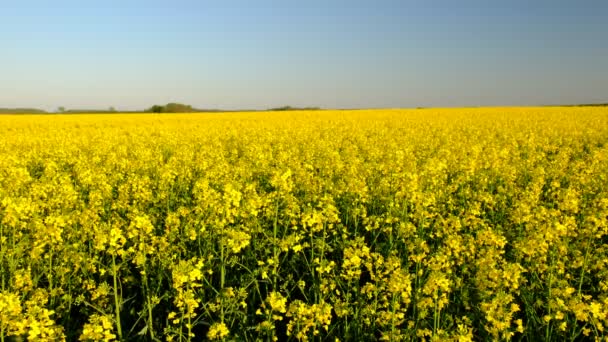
(433, 224)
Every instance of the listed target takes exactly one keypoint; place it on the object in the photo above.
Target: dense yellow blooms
(217, 331)
(395, 225)
(99, 328)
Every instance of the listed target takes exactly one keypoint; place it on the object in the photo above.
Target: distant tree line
(168, 108)
(287, 108)
(172, 108)
(184, 108)
(593, 105)
(21, 111)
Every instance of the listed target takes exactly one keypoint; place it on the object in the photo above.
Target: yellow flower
(277, 302)
(217, 331)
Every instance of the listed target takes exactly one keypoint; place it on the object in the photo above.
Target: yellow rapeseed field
(428, 224)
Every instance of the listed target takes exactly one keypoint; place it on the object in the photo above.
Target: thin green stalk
(375, 307)
(181, 326)
(580, 284)
(116, 298)
(50, 278)
(222, 281)
(150, 326)
(148, 303)
(415, 296)
(393, 318)
(274, 247)
(435, 318)
(189, 327)
(2, 265)
(346, 334)
(322, 250)
(548, 327)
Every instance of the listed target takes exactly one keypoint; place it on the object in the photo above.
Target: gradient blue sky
(338, 54)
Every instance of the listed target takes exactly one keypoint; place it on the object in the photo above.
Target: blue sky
(337, 54)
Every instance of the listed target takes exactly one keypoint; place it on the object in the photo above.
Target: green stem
(274, 247)
(189, 327)
(435, 319)
(116, 297)
(415, 297)
(393, 318)
(2, 267)
(548, 327)
(150, 320)
(580, 284)
(148, 303)
(222, 281)
(181, 326)
(312, 267)
(50, 277)
(322, 254)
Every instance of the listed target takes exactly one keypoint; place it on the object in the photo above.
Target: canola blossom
(427, 224)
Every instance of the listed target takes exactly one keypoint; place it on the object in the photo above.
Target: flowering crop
(434, 224)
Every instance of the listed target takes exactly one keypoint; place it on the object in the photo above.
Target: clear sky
(338, 54)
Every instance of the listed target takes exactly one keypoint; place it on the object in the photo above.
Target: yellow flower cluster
(307, 319)
(217, 331)
(99, 328)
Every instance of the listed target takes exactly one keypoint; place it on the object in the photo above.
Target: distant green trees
(21, 111)
(288, 108)
(172, 108)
